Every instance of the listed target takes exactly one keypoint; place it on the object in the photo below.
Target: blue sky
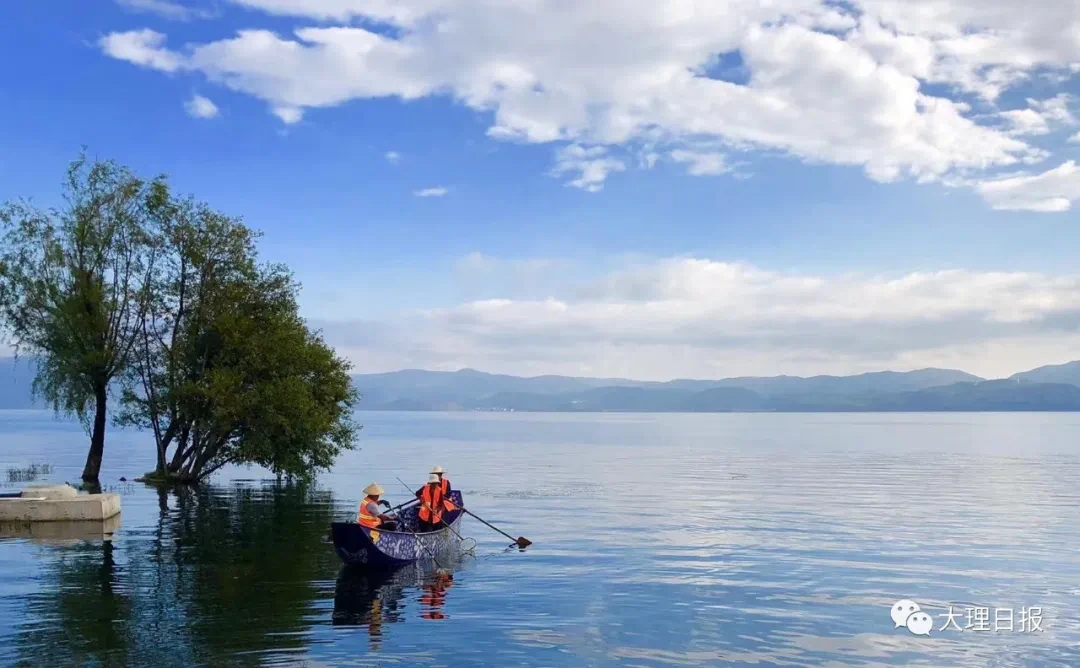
(819, 155)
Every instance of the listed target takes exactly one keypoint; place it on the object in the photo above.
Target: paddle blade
(523, 542)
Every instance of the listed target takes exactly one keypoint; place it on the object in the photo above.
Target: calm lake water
(660, 540)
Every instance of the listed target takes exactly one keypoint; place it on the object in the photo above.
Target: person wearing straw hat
(443, 481)
(369, 515)
(432, 505)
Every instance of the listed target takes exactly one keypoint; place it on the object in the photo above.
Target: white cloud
(1056, 109)
(693, 317)
(1051, 191)
(402, 13)
(393, 157)
(842, 84)
(437, 191)
(142, 47)
(200, 107)
(166, 9)
(1075, 139)
(592, 166)
(984, 46)
(702, 163)
(289, 115)
(1041, 116)
(1026, 122)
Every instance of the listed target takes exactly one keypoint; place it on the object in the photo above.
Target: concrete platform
(56, 503)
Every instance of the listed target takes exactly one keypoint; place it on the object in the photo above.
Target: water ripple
(662, 540)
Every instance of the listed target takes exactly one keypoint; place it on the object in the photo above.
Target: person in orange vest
(368, 514)
(444, 482)
(432, 505)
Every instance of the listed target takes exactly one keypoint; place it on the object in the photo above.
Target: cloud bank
(695, 317)
(903, 89)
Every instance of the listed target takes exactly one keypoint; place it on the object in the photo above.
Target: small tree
(74, 287)
(224, 368)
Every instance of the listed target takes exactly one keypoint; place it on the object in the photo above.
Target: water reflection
(81, 617)
(369, 597)
(794, 563)
(434, 596)
(61, 533)
(231, 571)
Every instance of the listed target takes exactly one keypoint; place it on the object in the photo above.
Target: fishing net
(468, 545)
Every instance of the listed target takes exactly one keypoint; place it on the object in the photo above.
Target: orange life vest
(430, 506)
(448, 505)
(362, 516)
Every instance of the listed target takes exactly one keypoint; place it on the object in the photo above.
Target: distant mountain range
(1048, 388)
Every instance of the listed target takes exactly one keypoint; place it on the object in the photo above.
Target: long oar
(521, 541)
(402, 505)
(432, 510)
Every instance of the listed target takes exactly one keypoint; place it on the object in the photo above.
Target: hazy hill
(877, 381)
(921, 390)
(16, 378)
(1057, 373)
(469, 384)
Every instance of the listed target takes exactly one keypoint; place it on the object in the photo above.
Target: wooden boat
(360, 545)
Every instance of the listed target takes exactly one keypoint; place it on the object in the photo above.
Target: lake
(659, 540)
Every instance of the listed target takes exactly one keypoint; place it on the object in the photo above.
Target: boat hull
(360, 546)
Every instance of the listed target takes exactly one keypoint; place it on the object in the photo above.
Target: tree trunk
(97, 438)
(163, 441)
(181, 449)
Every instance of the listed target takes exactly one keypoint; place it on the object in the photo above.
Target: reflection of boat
(369, 597)
(358, 545)
(372, 596)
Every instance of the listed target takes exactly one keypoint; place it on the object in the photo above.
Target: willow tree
(74, 287)
(224, 369)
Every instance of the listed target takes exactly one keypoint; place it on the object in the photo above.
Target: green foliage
(74, 287)
(129, 282)
(278, 388)
(226, 371)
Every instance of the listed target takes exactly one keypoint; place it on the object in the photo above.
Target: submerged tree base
(167, 478)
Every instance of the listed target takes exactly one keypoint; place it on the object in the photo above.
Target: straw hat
(374, 489)
(437, 469)
(433, 478)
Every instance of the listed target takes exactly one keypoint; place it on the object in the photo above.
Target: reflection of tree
(253, 564)
(85, 600)
(225, 570)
